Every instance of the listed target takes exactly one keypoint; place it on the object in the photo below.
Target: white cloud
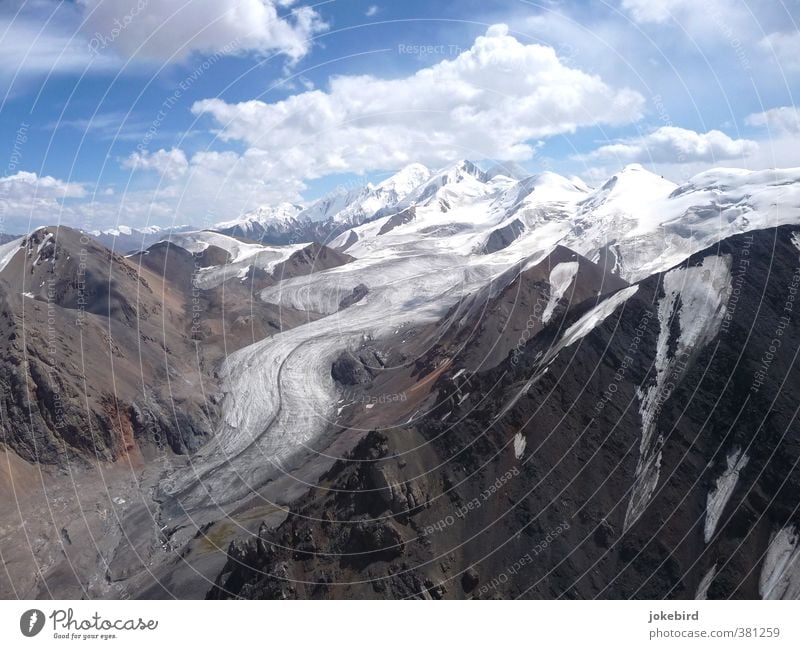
(683, 11)
(491, 101)
(170, 164)
(29, 46)
(784, 47)
(209, 186)
(371, 11)
(172, 29)
(655, 11)
(671, 144)
(26, 196)
(784, 119)
(25, 184)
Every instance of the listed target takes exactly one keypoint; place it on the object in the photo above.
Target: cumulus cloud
(170, 164)
(491, 101)
(172, 29)
(783, 119)
(24, 184)
(25, 195)
(783, 46)
(211, 185)
(671, 144)
(371, 11)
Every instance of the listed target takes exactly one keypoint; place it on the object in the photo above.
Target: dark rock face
(401, 218)
(329, 551)
(357, 368)
(349, 371)
(503, 237)
(535, 477)
(358, 294)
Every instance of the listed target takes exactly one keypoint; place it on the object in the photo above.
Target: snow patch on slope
(719, 497)
(519, 445)
(780, 572)
(560, 280)
(702, 292)
(591, 320)
(8, 250)
(705, 583)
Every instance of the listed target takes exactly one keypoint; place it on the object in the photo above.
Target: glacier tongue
(280, 395)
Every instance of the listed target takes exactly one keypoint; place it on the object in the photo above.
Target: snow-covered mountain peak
(280, 212)
(463, 168)
(629, 187)
(540, 189)
(406, 180)
(464, 178)
(265, 215)
(359, 205)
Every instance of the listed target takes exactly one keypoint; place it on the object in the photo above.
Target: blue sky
(193, 111)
